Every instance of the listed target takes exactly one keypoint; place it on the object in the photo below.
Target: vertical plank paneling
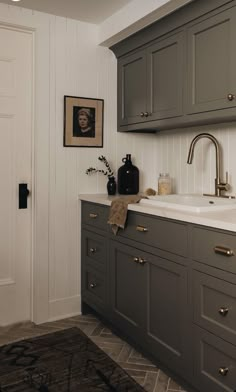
(52, 167)
(60, 271)
(71, 203)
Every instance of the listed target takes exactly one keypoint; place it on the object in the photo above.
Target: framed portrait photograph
(83, 122)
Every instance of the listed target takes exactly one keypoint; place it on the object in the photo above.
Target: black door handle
(23, 194)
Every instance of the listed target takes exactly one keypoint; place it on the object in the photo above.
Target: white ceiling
(92, 11)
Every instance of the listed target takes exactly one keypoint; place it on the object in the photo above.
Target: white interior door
(15, 167)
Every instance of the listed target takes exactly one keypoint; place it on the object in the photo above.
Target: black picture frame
(83, 122)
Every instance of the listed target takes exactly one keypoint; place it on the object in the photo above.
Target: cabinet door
(128, 289)
(165, 78)
(168, 329)
(132, 88)
(212, 63)
(214, 363)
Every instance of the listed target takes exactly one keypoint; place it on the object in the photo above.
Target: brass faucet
(219, 186)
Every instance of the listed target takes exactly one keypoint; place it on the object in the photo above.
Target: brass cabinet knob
(92, 285)
(223, 371)
(223, 311)
(92, 250)
(93, 216)
(142, 229)
(142, 114)
(142, 261)
(146, 114)
(139, 260)
(231, 97)
(223, 251)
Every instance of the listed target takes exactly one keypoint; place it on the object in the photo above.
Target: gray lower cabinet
(149, 302)
(128, 288)
(214, 363)
(94, 271)
(169, 287)
(166, 313)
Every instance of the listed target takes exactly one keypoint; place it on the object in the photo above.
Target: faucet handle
(224, 186)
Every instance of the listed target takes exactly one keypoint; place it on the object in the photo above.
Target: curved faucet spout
(219, 186)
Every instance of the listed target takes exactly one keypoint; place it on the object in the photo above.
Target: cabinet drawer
(94, 288)
(215, 363)
(94, 249)
(163, 234)
(215, 248)
(215, 305)
(95, 215)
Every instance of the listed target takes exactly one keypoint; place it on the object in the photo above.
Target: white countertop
(225, 220)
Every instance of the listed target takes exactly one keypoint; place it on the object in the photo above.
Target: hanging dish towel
(118, 211)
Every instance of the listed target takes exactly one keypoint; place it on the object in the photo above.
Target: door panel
(132, 88)
(167, 313)
(128, 289)
(211, 63)
(165, 78)
(15, 168)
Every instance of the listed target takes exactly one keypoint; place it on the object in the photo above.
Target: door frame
(31, 31)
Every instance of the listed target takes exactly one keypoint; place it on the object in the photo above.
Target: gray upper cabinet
(165, 78)
(132, 88)
(212, 63)
(150, 82)
(180, 71)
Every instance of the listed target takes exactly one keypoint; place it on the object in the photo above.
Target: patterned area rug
(64, 361)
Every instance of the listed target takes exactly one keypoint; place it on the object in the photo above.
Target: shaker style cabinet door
(165, 71)
(128, 276)
(132, 88)
(167, 319)
(211, 73)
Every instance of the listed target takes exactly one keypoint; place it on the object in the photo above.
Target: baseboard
(64, 307)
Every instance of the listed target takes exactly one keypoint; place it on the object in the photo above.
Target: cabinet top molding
(169, 23)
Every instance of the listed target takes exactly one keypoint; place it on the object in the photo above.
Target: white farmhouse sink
(194, 203)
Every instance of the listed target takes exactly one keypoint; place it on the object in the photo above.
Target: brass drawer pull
(136, 259)
(92, 285)
(142, 229)
(223, 371)
(93, 216)
(223, 311)
(223, 251)
(92, 250)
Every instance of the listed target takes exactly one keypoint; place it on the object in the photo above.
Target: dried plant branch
(108, 172)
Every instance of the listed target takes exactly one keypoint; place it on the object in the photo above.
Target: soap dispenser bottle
(128, 177)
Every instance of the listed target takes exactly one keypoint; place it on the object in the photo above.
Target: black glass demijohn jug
(128, 177)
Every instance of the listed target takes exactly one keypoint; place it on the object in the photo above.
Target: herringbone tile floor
(138, 367)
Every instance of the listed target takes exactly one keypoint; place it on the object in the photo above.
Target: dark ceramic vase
(111, 186)
(128, 177)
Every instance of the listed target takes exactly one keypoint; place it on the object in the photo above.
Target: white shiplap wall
(68, 62)
(168, 151)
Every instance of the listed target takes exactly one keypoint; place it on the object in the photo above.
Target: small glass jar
(164, 184)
